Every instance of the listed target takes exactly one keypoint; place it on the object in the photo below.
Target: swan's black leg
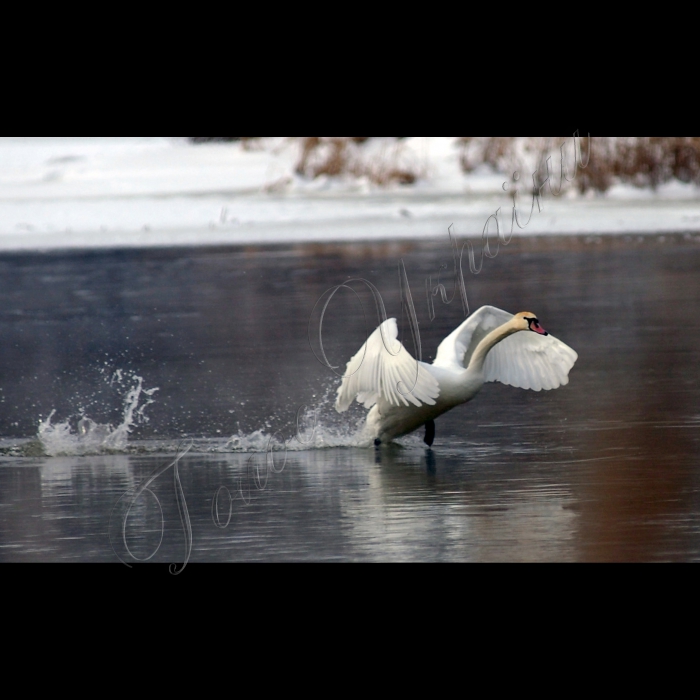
(377, 442)
(429, 432)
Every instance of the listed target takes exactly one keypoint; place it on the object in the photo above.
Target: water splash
(315, 427)
(88, 437)
(318, 427)
(323, 436)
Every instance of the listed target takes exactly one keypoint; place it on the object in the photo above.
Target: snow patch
(99, 192)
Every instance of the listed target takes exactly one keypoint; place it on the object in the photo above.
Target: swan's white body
(404, 394)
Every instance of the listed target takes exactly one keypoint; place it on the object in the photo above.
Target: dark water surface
(606, 468)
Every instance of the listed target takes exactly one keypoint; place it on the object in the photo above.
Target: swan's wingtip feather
(342, 403)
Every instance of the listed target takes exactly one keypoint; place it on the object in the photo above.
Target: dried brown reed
(643, 161)
(339, 155)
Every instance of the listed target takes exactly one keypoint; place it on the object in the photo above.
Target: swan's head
(526, 321)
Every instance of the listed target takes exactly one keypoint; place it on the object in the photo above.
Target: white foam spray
(89, 437)
(315, 428)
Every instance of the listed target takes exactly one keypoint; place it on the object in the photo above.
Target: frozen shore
(103, 192)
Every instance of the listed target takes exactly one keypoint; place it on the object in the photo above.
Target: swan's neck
(482, 349)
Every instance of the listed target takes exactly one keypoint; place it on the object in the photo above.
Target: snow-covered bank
(156, 191)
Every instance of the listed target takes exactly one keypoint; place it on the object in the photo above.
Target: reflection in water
(604, 469)
(430, 461)
(459, 508)
(482, 502)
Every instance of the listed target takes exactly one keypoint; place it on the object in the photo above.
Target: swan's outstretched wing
(524, 359)
(457, 348)
(395, 375)
(530, 361)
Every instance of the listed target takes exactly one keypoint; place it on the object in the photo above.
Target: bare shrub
(495, 151)
(339, 155)
(648, 160)
(643, 161)
(323, 155)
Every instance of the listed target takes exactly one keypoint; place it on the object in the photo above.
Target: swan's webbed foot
(429, 432)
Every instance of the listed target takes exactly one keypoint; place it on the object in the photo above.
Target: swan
(404, 394)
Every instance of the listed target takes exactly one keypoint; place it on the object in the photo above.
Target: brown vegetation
(339, 155)
(643, 161)
(336, 156)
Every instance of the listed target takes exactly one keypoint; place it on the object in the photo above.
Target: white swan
(404, 394)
